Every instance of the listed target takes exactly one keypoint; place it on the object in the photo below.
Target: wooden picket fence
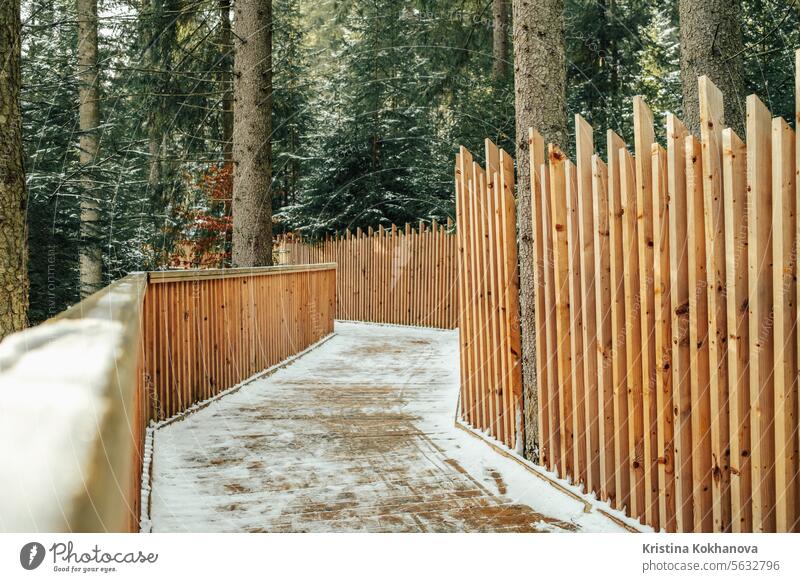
(666, 314)
(205, 331)
(489, 330)
(403, 276)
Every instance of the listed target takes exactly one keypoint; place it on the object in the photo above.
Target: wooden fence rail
(666, 318)
(79, 390)
(403, 276)
(491, 374)
(205, 331)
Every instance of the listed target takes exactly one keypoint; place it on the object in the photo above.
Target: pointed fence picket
(488, 291)
(666, 315)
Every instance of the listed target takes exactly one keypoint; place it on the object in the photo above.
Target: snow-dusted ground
(356, 435)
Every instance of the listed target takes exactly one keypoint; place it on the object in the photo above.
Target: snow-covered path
(356, 435)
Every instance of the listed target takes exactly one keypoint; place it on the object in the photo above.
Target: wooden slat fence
(205, 331)
(666, 318)
(161, 342)
(488, 295)
(404, 276)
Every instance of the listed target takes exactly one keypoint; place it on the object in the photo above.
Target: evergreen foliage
(371, 100)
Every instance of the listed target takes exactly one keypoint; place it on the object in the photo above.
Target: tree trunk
(89, 113)
(154, 172)
(13, 233)
(711, 45)
(252, 125)
(540, 78)
(226, 82)
(226, 46)
(500, 38)
(150, 32)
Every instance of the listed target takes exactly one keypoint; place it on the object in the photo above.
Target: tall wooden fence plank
(644, 137)
(633, 331)
(584, 147)
(737, 214)
(619, 360)
(784, 287)
(663, 340)
(711, 125)
(760, 301)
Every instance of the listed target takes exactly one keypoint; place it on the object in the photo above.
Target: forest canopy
(370, 100)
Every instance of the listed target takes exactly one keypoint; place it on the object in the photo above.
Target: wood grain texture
(213, 344)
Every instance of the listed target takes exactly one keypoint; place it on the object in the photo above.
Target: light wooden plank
(391, 297)
(380, 284)
(512, 298)
(551, 359)
(784, 286)
(576, 333)
(698, 333)
(760, 301)
(561, 257)
(544, 380)
(796, 527)
(663, 340)
(679, 305)
(497, 331)
(711, 125)
(605, 338)
(590, 437)
(734, 182)
(619, 363)
(644, 137)
(633, 331)
(463, 161)
(485, 401)
(475, 300)
(496, 408)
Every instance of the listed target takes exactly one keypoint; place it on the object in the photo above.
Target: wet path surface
(356, 435)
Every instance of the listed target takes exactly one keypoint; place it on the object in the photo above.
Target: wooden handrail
(68, 393)
(202, 274)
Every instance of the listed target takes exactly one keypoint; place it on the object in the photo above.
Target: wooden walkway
(355, 435)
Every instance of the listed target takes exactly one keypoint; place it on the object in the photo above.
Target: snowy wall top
(66, 405)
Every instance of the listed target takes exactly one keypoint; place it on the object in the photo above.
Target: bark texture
(540, 93)
(252, 151)
(500, 38)
(13, 233)
(91, 262)
(711, 45)
(150, 34)
(226, 47)
(226, 81)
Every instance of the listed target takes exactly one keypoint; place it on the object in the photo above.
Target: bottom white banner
(403, 557)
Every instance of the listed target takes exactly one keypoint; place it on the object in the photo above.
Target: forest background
(370, 100)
